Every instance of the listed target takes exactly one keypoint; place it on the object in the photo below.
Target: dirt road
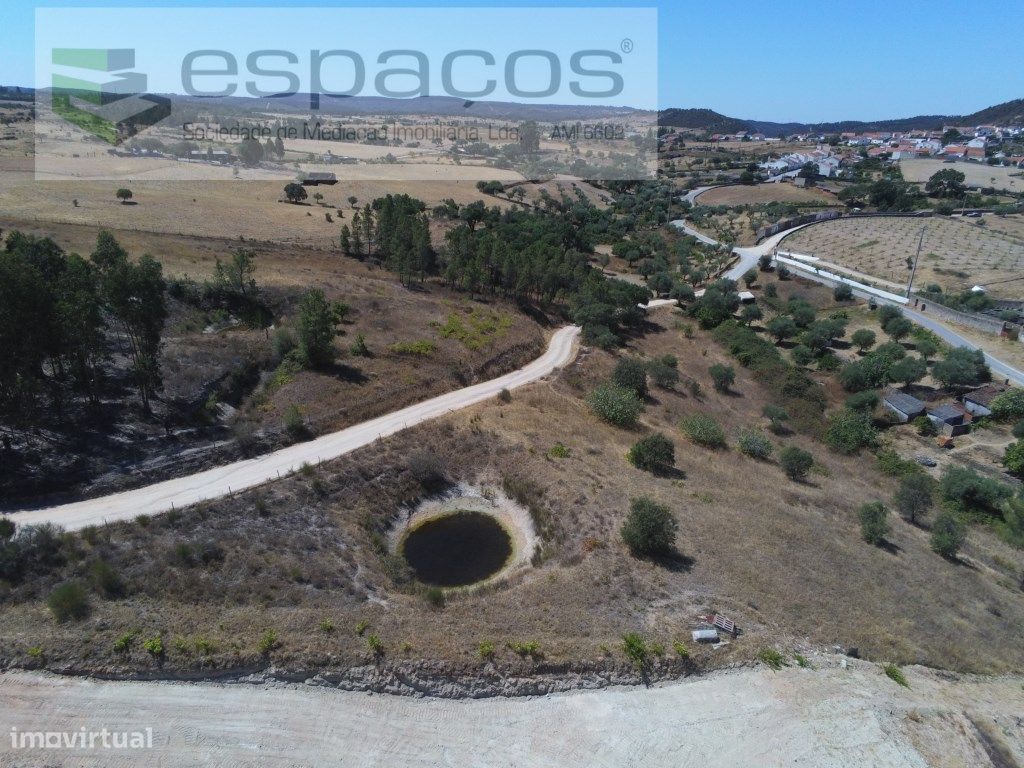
(820, 718)
(221, 481)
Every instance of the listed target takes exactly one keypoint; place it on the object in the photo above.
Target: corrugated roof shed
(946, 412)
(904, 402)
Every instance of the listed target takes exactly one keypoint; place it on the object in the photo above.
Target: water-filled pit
(467, 536)
(456, 549)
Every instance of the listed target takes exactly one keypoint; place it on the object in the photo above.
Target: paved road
(221, 481)
(827, 717)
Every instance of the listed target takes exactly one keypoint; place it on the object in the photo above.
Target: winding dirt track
(221, 481)
(822, 718)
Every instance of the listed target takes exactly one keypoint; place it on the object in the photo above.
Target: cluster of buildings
(822, 158)
(951, 417)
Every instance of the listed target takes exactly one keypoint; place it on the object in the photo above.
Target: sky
(781, 60)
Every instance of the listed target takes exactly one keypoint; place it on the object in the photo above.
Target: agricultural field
(977, 174)
(765, 193)
(956, 254)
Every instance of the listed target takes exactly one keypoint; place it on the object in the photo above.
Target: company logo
(114, 109)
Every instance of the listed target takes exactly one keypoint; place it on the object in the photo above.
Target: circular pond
(457, 548)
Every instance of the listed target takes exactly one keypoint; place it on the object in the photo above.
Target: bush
(863, 402)
(663, 372)
(961, 367)
(895, 674)
(558, 451)
(649, 529)
(967, 491)
(891, 463)
(863, 339)
(106, 580)
(268, 642)
(772, 658)
(947, 535)
(294, 424)
(1009, 405)
(914, 496)
(842, 292)
(1018, 429)
(802, 356)
(7, 528)
(654, 453)
(1013, 460)
(154, 646)
(31, 549)
(358, 347)
(703, 430)
(632, 375)
(796, 463)
(617, 405)
(723, 376)
(777, 416)
(636, 648)
(874, 524)
(925, 426)
(848, 431)
(754, 443)
(68, 601)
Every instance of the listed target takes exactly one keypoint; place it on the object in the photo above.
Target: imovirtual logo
(101, 97)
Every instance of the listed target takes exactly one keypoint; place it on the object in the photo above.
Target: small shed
(950, 419)
(979, 401)
(705, 635)
(906, 407)
(746, 297)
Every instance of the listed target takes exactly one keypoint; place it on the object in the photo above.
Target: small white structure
(705, 635)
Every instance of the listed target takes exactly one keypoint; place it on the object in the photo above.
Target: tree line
(56, 310)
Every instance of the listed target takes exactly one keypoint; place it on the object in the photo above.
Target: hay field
(978, 175)
(765, 193)
(957, 253)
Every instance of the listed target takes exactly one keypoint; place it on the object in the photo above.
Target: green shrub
(558, 451)
(914, 495)
(325, 625)
(632, 375)
(874, 524)
(754, 443)
(635, 648)
(486, 650)
(703, 430)
(863, 339)
(664, 372)
(435, 596)
(423, 348)
(801, 661)
(967, 491)
(796, 463)
(895, 674)
(650, 528)
(1018, 430)
(681, 650)
(925, 426)
(1009, 405)
(772, 658)
(948, 534)
(722, 376)
(1013, 459)
(123, 643)
(848, 431)
(802, 355)
(842, 292)
(865, 401)
(375, 644)
(777, 416)
(106, 580)
(361, 626)
(358, 347)
(268, 642)
(617, 405)
(526, 648)
(654, 453)
(294, 424)
(68, 602)
(891, 463)
(154, 646)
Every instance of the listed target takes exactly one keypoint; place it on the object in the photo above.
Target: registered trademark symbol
(626, 45)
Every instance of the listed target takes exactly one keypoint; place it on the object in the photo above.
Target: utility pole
(917, 257)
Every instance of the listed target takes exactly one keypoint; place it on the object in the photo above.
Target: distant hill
(1010, 113)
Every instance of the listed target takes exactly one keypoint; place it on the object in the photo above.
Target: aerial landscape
(525, 407)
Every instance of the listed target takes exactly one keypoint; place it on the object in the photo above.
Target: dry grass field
(977, 174)
(784, 559)
(957, 253)
(765, 193)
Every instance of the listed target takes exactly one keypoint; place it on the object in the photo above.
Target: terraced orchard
(957, 253)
